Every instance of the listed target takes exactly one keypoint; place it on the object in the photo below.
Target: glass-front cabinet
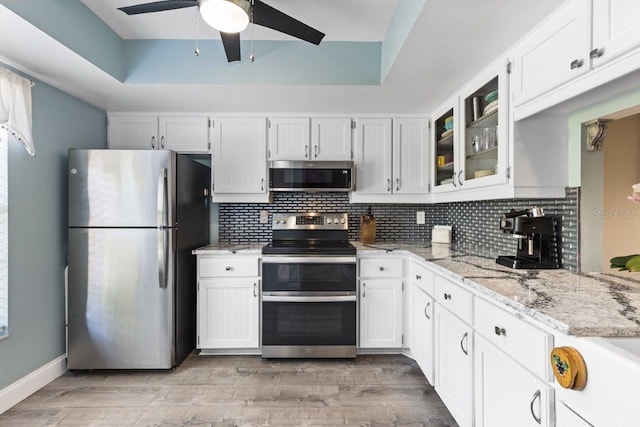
(470, 135)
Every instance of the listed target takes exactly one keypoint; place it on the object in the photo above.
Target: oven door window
(306, 323)
(308, 277)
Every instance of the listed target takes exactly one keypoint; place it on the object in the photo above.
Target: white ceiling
(451, 41)
(351, 20)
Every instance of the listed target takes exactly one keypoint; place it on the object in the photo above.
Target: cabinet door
(506, 394)
(139, 132)
(331, 139)
(239, 155)
(445, 152)
(289, 138)
(484, 139)
(410, 156)
(555, 53)
(616, 28)
(381, 313)
(422, 330)
(373, 156)
(184, 134)
(454, 365)
(228, 313)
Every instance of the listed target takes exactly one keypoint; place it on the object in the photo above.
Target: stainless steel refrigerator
(134, 217)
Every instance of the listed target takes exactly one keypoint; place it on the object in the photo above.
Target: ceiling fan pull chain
(197, 51)
(251, 57)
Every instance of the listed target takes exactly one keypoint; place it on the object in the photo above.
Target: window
(4, 241)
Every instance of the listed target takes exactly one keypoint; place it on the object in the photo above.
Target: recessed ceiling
(340, 20)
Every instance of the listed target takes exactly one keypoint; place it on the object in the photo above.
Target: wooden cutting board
(367, 229)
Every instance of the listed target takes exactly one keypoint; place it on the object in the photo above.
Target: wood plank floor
(225, 391)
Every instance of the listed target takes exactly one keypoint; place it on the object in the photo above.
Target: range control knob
(329, 220)
(342, 221)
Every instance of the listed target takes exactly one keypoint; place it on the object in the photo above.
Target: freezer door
(121, 314)
(121, 188)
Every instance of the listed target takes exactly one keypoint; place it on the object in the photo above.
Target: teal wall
(38, 229)
(401, 24)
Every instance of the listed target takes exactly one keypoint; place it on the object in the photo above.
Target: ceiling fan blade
(269, 17)
(157, 6)
(231, 42)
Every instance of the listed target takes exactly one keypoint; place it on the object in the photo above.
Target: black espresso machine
(534, 231)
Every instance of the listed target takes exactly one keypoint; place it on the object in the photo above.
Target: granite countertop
(593, 304)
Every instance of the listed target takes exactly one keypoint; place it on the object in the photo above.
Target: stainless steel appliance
(534, 232)
(311, 176)
(134, 217)
(309, 287)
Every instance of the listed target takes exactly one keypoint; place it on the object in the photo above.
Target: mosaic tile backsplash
(475, 224)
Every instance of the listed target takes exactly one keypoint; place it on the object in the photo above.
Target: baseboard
(29, 384)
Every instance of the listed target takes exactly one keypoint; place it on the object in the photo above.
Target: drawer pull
(426, 308)
(447, 296)
(462, 342)
(381, 268)
(500, 331)
(536, 395)
(418, 277)
(228, 268)
(596, 53)
(576, 63)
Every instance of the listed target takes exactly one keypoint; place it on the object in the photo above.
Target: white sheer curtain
(15, 108)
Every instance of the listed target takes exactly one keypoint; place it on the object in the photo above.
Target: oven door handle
(308, 260)
(337, 298)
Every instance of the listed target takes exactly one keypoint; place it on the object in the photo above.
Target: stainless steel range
(309, 287)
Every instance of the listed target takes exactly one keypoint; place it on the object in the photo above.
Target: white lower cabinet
(506, 394)
(454, 365)
(381, 313)
(228, 303)
(422, 329)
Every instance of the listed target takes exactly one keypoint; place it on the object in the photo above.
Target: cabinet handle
(153, 142)
(596, 53)
(364, 290)
(381, 268)
(262, 184)
(418, 277)
(255, 290)
(426, 307)
(454, 179)
(388, 185)
(536, 395)
(315, 151)
(459, 180)
(306, 151)
(397, 184)
(577, 63)
(500, 331)
(464, 337)
(162, 142)
(447, 296)
(228, 268)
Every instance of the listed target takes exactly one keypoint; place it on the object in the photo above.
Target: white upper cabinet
(139, 132)
(410, 156)
(331, 139)
(183, 134)
(391, 159)
(289, 138)
(616, 29)
(239, 157)
(555, 53)
(373, 156)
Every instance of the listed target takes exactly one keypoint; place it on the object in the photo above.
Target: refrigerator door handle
(163, 257)
(162, 198)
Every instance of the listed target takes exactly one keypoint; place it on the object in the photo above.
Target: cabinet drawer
(381, 267)
(517, 338)
(422, 277)
(459, 301)
(228, 267)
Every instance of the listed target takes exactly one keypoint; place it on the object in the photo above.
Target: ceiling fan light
(227, 16)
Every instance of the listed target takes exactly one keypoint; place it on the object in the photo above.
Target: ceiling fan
(232, 16)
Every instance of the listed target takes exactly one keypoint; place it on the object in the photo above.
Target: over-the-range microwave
(311, 176)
